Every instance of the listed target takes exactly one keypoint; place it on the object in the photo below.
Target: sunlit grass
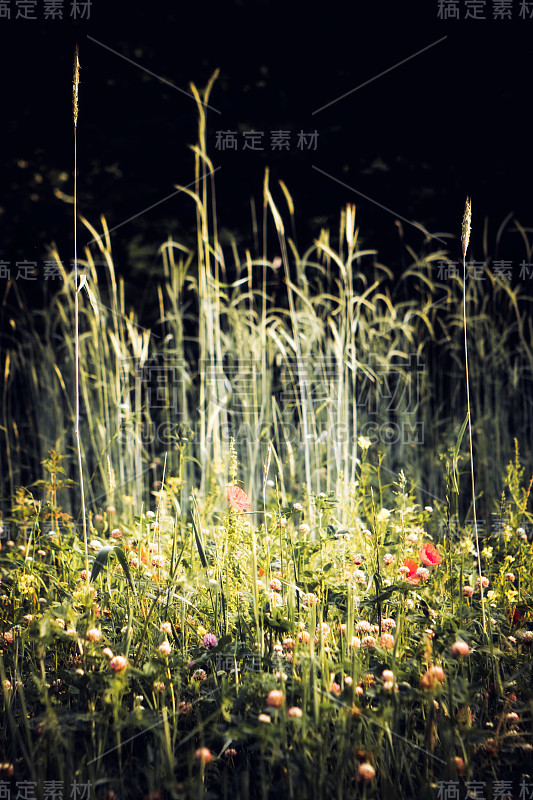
(302, 650)
(323, 636)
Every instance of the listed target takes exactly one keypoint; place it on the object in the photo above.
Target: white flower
(275, 599)
(364, 442)
(383, 515)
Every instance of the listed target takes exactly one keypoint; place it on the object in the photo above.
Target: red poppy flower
(516, 617)
(412, 566)
(238, 499)
(429, 555)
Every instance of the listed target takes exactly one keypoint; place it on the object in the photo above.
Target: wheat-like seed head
(267, 464)
(467, 220)
(111, 476)
(75, 87)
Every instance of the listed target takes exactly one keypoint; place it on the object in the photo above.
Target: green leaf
(198, 531)
(456, 454)
(384, 595)
(460, 437)
(100, 561)
(102, 558)
(121, 555)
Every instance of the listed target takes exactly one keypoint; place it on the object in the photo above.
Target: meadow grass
(282, 590)
(249, 653)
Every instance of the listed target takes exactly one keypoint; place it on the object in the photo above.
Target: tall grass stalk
(326, 340)
(465, 238)
(75, 99)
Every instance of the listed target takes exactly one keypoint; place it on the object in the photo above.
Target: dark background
(450, 122)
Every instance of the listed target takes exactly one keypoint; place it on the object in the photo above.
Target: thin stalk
(467, 219)
(75, 94)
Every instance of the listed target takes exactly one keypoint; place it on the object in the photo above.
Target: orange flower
(433, 678)
(429, 555)
(238, 499)
(411, 577)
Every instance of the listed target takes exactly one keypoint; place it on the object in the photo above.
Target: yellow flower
(27, 584)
